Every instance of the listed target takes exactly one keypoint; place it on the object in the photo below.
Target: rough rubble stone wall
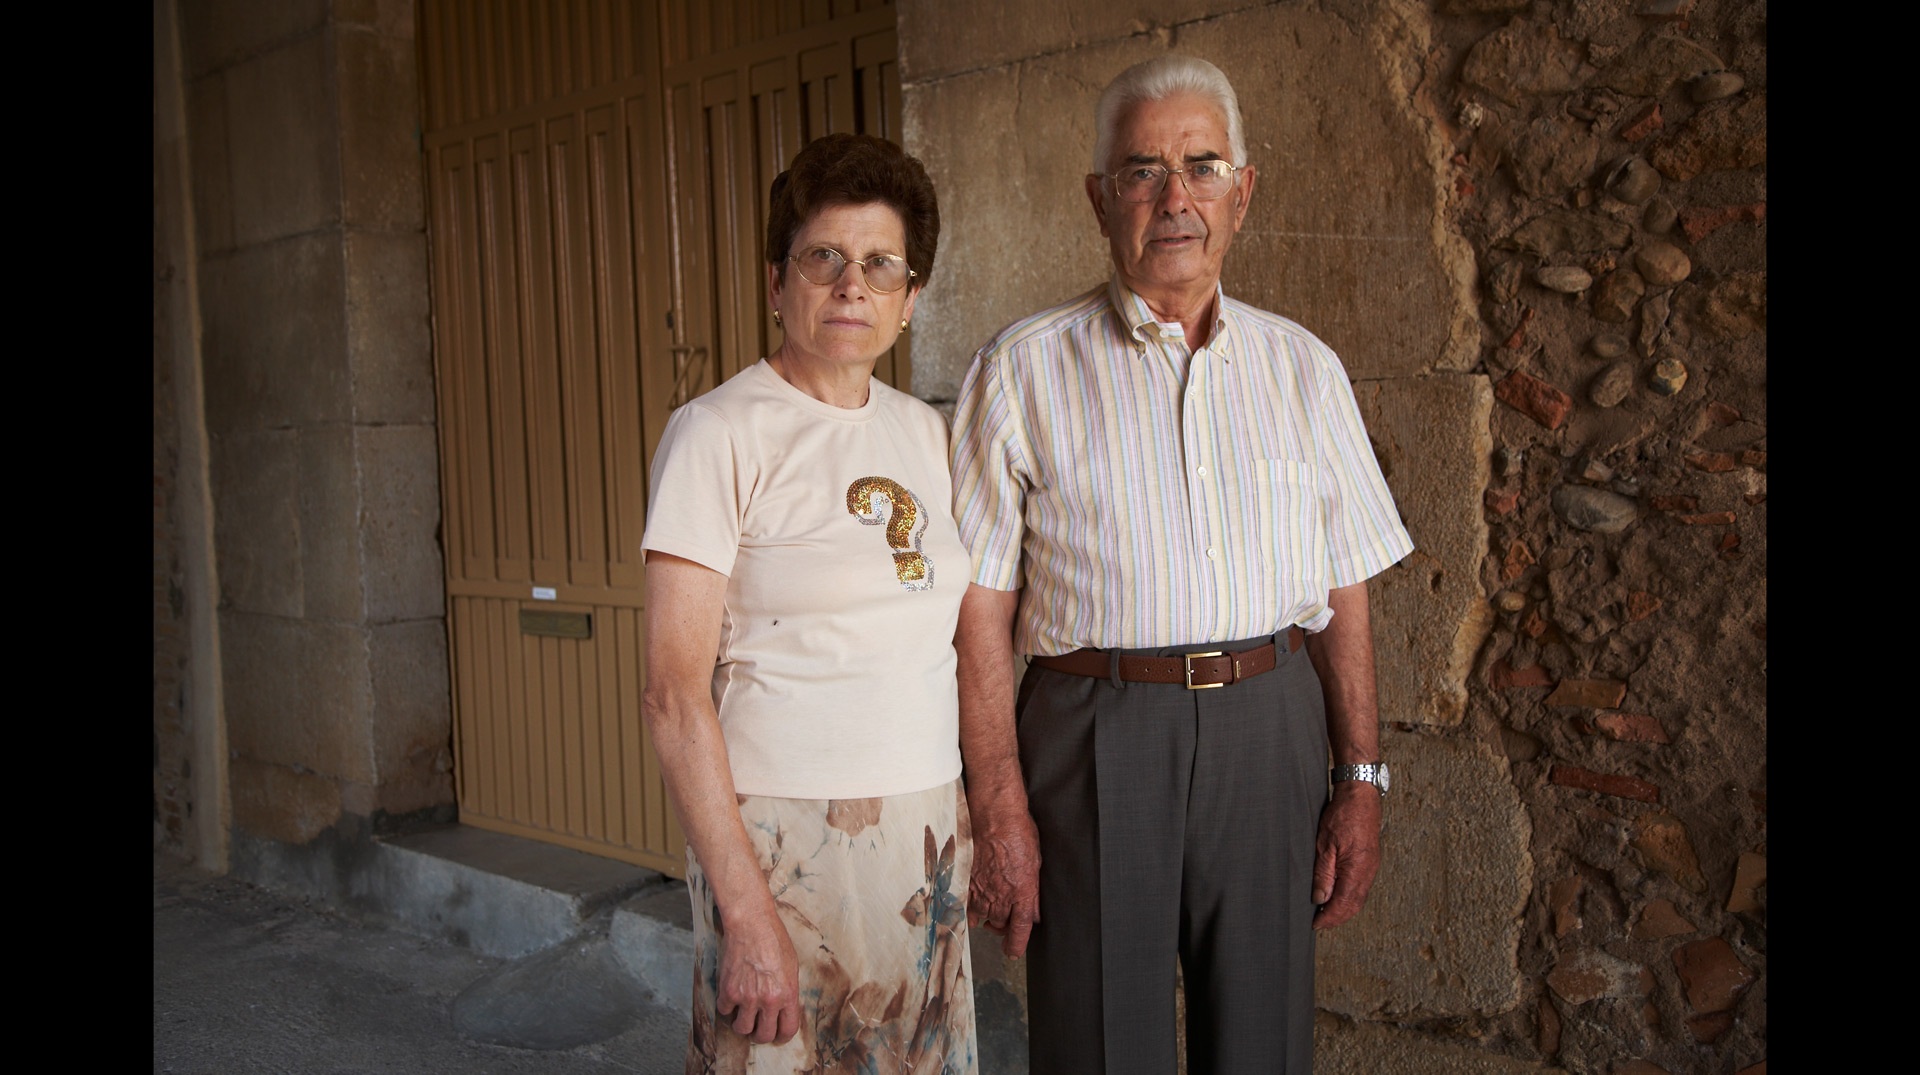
(1608, 169)
(1572, 663)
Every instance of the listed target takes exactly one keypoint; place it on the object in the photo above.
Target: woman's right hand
(760, 978)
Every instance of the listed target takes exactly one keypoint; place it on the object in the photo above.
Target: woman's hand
(760, 978)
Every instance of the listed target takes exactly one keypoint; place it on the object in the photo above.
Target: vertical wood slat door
(734, 120)
(597, 183)
(547, 214)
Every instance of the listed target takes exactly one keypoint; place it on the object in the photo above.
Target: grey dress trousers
(1174, 823)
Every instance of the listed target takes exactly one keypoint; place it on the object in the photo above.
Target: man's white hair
(1156, 80)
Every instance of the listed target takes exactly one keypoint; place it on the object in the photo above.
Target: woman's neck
(844, 386)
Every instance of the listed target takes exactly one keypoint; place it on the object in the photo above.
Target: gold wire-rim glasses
(877, 270)
(1145, 182)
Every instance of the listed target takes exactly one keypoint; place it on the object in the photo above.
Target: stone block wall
(1560, 357)
(309, 213)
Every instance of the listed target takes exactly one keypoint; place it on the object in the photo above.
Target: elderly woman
(804, 576)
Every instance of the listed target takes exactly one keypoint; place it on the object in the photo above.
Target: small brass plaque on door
(539, 621)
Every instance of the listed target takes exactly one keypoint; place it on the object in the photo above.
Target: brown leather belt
(1194, 671)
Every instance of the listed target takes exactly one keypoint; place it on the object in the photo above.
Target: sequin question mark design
(906, 523)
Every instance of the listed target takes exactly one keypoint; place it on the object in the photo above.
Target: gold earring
(776, 319)
(903, 324)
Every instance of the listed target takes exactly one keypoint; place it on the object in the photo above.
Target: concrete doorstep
(588, 940)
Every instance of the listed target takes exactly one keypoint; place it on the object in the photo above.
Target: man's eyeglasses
(1204, 180)
(824, 264)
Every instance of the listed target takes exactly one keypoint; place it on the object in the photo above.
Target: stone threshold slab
(498, 894)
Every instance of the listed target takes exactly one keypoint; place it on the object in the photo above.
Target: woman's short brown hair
(855, 169)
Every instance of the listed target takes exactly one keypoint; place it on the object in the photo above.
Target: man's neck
(1192, 308)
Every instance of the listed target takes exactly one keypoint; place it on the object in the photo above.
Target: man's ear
(1098, 197)
(1243, 193)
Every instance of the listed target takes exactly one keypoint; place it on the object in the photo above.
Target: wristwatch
(1375, 774)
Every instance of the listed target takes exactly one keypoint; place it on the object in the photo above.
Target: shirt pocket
(1287, 511)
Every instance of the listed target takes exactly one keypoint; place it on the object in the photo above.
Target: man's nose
(1174, 197)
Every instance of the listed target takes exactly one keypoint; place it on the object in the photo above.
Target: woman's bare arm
(759, 974)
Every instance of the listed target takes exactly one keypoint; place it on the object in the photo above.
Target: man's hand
(760, 979)
(1346, 853)
(1004, 893)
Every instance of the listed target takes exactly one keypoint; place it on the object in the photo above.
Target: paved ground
(245, 980)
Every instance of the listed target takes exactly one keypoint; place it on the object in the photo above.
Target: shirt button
(1202, 472)
(1213, 554)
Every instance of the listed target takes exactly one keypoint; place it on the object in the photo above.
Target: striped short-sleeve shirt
(1143, 495)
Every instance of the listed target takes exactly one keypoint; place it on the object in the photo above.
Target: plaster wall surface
(1367, 266)
(1347, 235)
(1438, 934)
(1430, 611)
(1357, 1048)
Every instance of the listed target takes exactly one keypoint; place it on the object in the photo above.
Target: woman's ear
(912, 294)
(773, 286)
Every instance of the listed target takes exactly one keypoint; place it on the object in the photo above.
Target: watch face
(1382, 779)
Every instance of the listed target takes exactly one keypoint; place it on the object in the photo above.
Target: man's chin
(1184, 269)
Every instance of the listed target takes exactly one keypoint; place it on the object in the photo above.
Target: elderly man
(1174, 492)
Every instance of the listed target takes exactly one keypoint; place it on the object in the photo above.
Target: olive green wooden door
(597, 184)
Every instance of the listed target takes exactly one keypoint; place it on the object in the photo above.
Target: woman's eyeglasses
(824, 264)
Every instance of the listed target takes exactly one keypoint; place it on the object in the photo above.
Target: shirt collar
(1144, 327)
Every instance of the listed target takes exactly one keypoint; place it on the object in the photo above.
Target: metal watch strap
(1374, 773)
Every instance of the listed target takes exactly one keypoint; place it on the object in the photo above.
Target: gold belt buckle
(1188, 658)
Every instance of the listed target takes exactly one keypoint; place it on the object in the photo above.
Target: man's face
(1173, 243)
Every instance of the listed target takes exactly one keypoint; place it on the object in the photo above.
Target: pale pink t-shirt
(835, 676)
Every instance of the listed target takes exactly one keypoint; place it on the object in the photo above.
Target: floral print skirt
(873, 893)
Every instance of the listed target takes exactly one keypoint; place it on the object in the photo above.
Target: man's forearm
(989, 749)
(1343, 656)
(1004, 890)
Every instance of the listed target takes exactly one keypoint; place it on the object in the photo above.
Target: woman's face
(845, 322)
